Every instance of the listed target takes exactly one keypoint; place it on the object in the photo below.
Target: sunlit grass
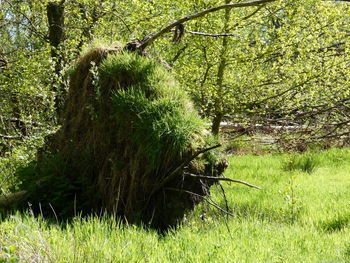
(297, 217)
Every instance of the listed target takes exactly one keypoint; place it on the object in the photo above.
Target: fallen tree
(129, 134)
(131, 143)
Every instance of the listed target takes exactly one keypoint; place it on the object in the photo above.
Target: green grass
(151, 108)
(299, 216)
(303, 162)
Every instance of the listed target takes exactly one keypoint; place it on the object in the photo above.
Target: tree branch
(26, 122)
(31, 25)
(330, 135)
(174, 172)
(210, 35)
(211, 202)
(9, 137)
(178, 54)
(252, 14)
(149, 39)
(222, 179)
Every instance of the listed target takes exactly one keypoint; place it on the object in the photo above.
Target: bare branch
(222, 179)
(211, 35)
(24, 122)
(252, 14)
(329, 135)
(211, 202)
(149, 39)
(178, 54)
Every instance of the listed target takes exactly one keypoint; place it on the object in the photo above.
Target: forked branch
(141, 45)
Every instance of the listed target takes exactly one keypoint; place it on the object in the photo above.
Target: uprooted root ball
(129, 140)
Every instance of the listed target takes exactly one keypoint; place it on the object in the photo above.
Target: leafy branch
(141, 45)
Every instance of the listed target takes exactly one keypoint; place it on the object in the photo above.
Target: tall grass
(260, 231)
(303, 162)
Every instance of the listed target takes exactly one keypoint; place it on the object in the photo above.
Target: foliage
(49, 188)
(21, 156)
(292, 200)
(284, 63)
(285, 60)
(7, 256)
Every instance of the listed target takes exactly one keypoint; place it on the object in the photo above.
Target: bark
(215, 128)
(218, 103)
(55, 16)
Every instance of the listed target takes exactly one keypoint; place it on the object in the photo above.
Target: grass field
(301, 215)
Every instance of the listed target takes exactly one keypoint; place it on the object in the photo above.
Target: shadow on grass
(335, 224)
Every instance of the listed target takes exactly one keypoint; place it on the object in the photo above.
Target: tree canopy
(264, 61)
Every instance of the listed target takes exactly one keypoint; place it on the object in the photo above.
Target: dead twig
(174, 172)
(222, 179)
(226, 207)
(9, 137)
(211, 202)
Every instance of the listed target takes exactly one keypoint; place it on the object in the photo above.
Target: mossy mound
(130, 138)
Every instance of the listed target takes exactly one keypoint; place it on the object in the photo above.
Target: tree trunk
(55, 16)
(215, 128)
(218, 103)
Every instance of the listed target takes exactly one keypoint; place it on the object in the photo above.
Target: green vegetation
(129, 140)
(21, 156)
(122, 130)
(163, 118)
(306, 162)
(297, 217)
(282, 61)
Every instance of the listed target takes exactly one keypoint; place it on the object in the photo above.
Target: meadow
(302, 214)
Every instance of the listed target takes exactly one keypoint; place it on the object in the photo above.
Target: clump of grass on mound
(153, 110)
(129, 139)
